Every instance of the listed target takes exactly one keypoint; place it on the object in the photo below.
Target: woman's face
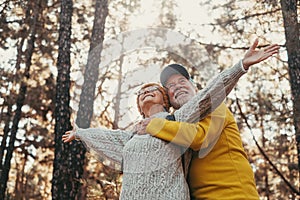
(149, 96)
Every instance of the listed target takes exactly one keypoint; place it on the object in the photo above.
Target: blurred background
(83, 61)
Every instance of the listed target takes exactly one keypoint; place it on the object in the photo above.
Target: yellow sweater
(219, 168)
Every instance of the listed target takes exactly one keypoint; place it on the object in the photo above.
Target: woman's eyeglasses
(147, 90)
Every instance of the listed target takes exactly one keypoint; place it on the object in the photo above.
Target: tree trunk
(291, 26)
(91, 74)
(63, 178)
(5, 134)
(20, 102)
(265, 169)
(8, 116)
(118, 96)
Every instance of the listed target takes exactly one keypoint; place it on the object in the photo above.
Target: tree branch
(230, 47)
(262, 151)
(244, 18)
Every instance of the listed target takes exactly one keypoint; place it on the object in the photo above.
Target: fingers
(268, 54)
(141, 127)
(144, 125)
(67, 136)
(269, 51)
(255, 56)
(66, 139)
(272, 49)
(254, 45)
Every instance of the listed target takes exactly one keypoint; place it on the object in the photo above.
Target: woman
(152, 168)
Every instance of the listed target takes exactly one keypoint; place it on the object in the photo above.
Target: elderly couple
(195, 153)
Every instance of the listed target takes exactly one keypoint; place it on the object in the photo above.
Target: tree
(5, 168)
(86, 104)
(269, 105)
(63, 176)
(33, 141)
(292, 34)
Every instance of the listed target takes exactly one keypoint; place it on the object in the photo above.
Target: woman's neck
(153, 109)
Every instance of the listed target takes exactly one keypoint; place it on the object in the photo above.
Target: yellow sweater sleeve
(194, 135)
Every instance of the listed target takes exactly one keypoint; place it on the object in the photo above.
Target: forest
(64, 61)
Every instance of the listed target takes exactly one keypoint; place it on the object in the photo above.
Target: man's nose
(177, 86)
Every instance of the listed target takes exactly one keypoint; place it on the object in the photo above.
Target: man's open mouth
(179, 94)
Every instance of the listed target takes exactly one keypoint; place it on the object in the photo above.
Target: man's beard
(181, 101)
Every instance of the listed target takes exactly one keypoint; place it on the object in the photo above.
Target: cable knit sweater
(152, 168)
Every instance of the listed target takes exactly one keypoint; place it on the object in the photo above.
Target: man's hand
(140, 128)
(70, 135)
(255, 56)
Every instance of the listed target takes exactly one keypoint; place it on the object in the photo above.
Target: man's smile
(179, 93)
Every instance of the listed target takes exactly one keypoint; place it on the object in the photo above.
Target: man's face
(180, 90)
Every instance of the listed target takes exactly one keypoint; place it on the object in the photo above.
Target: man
(219, 168)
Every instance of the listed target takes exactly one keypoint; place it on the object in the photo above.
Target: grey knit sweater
(152, 168)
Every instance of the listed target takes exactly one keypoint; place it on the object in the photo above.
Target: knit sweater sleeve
(106, 145)
(210, 97)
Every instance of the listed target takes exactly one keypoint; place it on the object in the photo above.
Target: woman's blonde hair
(162, 90)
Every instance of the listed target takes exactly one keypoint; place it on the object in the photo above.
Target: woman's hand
(70, 135)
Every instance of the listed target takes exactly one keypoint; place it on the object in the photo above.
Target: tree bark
(118, 96)
(91, 73)
(5, 168)
(86, 104)
(63, 177)
(291, 26)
